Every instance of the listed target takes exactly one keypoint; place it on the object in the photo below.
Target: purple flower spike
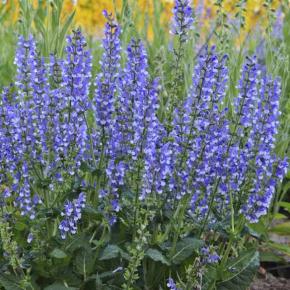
(107, 79)
(182, 21)
(71, 215)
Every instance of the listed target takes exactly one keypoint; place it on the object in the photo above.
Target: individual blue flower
(30, 238)
(209, 255)
(171, 284)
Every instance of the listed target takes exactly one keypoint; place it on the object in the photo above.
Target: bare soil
(270, 282)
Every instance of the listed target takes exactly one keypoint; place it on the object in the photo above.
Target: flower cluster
(43, 128)
(215, 162)
(71, 215)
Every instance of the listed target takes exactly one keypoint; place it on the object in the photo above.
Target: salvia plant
(99, 192)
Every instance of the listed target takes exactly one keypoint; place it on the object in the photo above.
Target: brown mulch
(268, 281)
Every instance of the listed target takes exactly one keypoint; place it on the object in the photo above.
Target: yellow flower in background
(89, 13)
(255, 13)
(145, 13)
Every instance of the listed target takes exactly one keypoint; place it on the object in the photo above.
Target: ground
(268, 281)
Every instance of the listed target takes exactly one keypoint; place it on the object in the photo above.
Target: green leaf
(19, 226)
(270, 257)
(279, 216)
(284, 204)
(59, 286)
(65, 28)
(185, 248)
(9, 282)
(280, 247)
(257, 229)
(112, 252)
(157, 256)
(281, 229)
(93, 212)
(105, 275)
(85, 167)
(85, 261)
(58, 254)
(241, 271)
(286, 187)
(78, 242)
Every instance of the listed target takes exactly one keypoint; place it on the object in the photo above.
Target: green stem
(180, 211)
(100, 165)
(227, 252)
(136, 202)
(232, 212)
(91, 140)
